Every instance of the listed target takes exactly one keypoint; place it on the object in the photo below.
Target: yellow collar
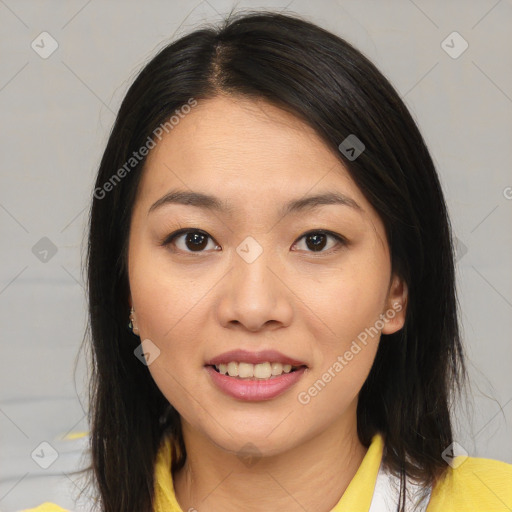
(358, 495)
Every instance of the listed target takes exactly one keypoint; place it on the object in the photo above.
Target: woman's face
(255, 275)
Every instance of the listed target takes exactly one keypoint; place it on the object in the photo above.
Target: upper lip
(263, 356)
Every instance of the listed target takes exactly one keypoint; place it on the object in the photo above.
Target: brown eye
(316, 241)
(189, 240)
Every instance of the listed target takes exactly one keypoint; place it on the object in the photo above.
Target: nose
(254, 295)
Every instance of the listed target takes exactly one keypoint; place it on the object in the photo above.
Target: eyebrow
(213, 203)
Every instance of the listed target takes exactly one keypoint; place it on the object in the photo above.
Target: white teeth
(277, 368)
(245, 370)
(233, 369)
(262, 371)
(249, 371)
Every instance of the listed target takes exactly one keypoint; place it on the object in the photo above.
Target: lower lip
(257, 389)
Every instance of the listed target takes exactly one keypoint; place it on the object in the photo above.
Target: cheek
(162, 295)
(347, 304)
(172, 311)
(347, 343)
(172, 316)
(349, 298)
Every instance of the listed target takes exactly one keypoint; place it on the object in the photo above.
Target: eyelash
(169, 239)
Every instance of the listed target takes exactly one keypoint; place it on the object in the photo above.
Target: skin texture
(308, 305)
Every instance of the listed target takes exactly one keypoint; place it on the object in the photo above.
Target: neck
(310, 476)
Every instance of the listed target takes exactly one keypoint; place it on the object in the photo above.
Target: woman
(269, 221)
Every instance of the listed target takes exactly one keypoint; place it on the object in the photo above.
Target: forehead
(250, 152)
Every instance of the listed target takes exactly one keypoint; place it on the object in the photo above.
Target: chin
(253, 443)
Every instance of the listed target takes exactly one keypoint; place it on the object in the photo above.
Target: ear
(396, 305)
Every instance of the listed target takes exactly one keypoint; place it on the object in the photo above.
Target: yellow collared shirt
(476, 485)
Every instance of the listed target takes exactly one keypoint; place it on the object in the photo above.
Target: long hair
(324, 81)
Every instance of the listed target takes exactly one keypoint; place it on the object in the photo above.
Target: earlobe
(396, 306)
(132, 325)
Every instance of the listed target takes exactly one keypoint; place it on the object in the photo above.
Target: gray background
(56, 116)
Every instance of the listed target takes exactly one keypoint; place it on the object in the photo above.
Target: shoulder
(474, 484)
(46, 507)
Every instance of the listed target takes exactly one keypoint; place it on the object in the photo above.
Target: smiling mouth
(260, 371)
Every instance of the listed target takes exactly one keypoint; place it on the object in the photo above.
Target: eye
(189, 240)
(316, 240)
(196, 241)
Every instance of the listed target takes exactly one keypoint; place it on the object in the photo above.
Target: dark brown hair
(333, 87)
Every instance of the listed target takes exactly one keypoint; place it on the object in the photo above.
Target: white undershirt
(386, 494)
